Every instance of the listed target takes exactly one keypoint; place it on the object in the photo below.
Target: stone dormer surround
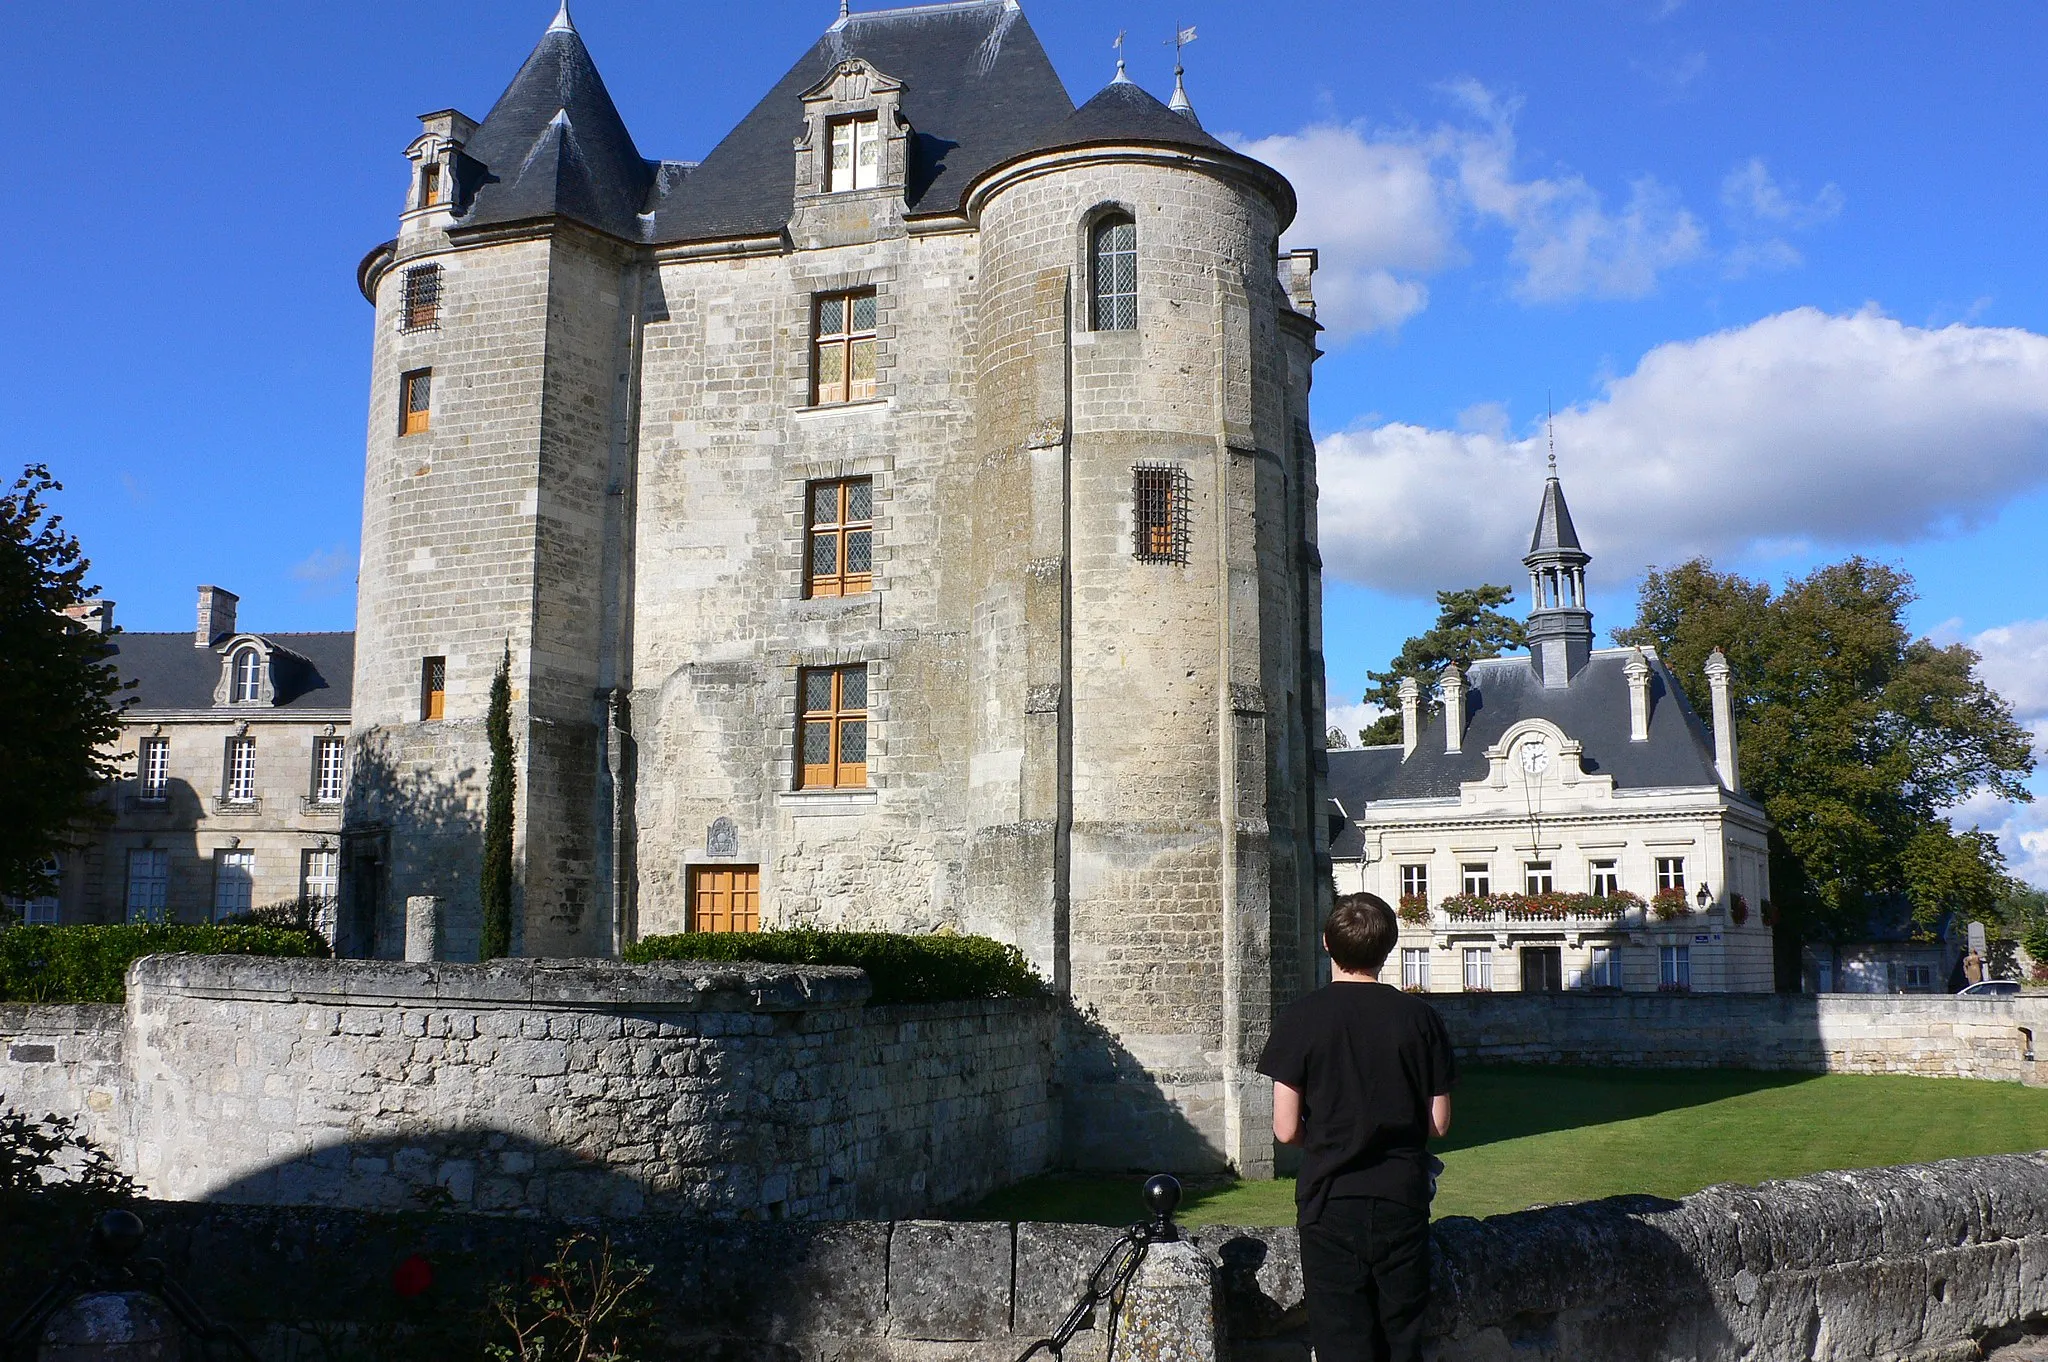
(827, 217)
(232, 649)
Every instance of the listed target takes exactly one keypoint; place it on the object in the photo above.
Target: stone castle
(903, 518)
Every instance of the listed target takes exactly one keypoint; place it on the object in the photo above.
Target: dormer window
(856, 154)
(248, 678)
(430, 184)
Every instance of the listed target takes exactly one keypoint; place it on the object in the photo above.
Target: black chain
(1106, 1283)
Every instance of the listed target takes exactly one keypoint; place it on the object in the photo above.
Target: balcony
(1573, 915)
(220, 806)
(316, 806)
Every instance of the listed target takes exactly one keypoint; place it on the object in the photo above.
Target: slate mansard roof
(978, 91)
(1593, 710)
(311, 672)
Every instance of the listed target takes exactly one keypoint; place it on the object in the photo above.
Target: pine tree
(495, 887)
(1468, 629)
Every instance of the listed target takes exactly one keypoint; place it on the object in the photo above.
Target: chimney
(216, 616)
(1454, 709)
(1637, 670)
(1297, 277)
(95, 616)
(1724, 720)
(1411, 704)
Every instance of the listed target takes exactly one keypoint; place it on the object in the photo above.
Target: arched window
(1113, 252)
(248, 675)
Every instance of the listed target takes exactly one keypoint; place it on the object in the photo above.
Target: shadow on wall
(165, 832)
(409, 829)
(1119, 1115)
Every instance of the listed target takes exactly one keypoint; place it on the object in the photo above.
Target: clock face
(1535, 758)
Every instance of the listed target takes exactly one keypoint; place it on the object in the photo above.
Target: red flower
(412, 1277)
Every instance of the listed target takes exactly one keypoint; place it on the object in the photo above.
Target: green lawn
(1525, 1137)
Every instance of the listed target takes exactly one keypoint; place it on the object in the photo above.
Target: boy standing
(1362, 1077)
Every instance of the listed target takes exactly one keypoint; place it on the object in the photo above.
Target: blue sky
(1779, 267)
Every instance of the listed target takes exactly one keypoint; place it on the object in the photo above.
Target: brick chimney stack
(95, 615)
(216, 616)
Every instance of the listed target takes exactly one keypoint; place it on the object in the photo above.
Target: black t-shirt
(1366, 1059)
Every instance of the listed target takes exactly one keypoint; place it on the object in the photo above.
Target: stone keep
(1107, 755)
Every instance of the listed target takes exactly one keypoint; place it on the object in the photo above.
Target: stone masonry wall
(1934, 1261)
(1993, 1038)
(66, 1060)
(741, 1092)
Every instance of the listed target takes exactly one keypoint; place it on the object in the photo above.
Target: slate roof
(1123, 112)
(1502, 692)
(977, 90)
(1554, 529)
(554, 144)
(311, 671)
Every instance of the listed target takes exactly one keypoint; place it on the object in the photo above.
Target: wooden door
(725, 898)
(1542, 969)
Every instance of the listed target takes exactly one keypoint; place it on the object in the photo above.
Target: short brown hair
(1360, 932)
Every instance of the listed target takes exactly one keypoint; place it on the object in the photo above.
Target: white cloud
(1758, 208)
(324, 570)
(1352, 717)
(2015, 664)
(2021, 829)
(1802, 427)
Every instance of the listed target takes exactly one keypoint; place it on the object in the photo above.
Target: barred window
(433, 687)
(1113, 271)
(856, 154)
(153, 770)
(421, 309)
(843, 353)
(415, 401)
(841, 557)
(328, 765)
(832, 731)
(241, 772)
(1159, 494)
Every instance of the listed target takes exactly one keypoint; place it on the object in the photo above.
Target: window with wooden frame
(1537, 878)
(1113, 274)
(1671, 873)
(856, 148)
(843, 348)
(415, 401)
(1476, 879)
(1414, 881)
(1606, 879)
(725, 898)
(153, 768)
(841, 537)
(240, 784)
(329, 766)
(1159, 499)
(832, 730)
(234, 883)
(430, 184)
(420, 308)
(433, 687)
(247, 686)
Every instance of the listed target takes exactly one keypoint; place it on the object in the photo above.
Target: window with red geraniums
(1668, 904)
(1738, 909)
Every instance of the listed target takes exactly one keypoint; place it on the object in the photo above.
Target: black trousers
(1365, 1265)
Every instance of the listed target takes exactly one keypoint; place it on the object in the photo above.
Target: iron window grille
(843, 351)
(1113, 274)
(840, 559)
(1159, 494)
(433, 687)
(421, 307)
(415, 401)
(832, 730)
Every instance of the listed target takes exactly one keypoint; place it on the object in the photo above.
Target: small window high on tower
(430, 184)
(421, 308)
(1159, 495)
(415, 401)
(1113, 274)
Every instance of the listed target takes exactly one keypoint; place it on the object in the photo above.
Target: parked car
(1992, 988)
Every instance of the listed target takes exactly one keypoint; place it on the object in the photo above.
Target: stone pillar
(1169, 1314)
(1411, 706)
(1637, 670)
(422, 928)
(1454, 709)
(113, 1326)
(1724, 719)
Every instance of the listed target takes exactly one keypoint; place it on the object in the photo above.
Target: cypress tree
(495, 888)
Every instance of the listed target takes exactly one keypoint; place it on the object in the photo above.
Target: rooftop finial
(1180, 103)
(1550, 425)
(845, 10)
(562, 23)
(1121, 77)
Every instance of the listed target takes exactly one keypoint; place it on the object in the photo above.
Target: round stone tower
(1143, 689)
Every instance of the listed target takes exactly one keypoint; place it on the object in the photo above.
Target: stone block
(949, 1281)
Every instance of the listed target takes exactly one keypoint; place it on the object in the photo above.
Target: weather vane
(1550, 425)
(1119, 46)
(1181, 38)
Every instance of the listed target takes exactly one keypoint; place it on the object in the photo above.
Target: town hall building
(903, 517)
(1562, 820)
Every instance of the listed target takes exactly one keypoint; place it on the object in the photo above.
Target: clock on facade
(1535, 758)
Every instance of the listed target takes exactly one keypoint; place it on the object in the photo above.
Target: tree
(57, 689)
(494, 887)
(1855, 736)
(1336, 739)
(1468, 629)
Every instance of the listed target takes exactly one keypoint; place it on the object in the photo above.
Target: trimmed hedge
(902, 968)
(90, 964)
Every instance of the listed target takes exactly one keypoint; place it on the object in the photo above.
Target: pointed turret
(1124, 112)
(554, 144)
(1560, 625)
(1180, 103)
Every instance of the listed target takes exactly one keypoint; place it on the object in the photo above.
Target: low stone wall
(1949, 1037)
(1935, 1261)
(67, 1060)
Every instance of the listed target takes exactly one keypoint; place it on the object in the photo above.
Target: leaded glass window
(1114, 272)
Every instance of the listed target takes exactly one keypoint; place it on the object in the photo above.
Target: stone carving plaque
(722, 838)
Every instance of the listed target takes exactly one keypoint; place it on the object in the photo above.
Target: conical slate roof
(1122, 111)
(554, 144)
(1554, 523)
